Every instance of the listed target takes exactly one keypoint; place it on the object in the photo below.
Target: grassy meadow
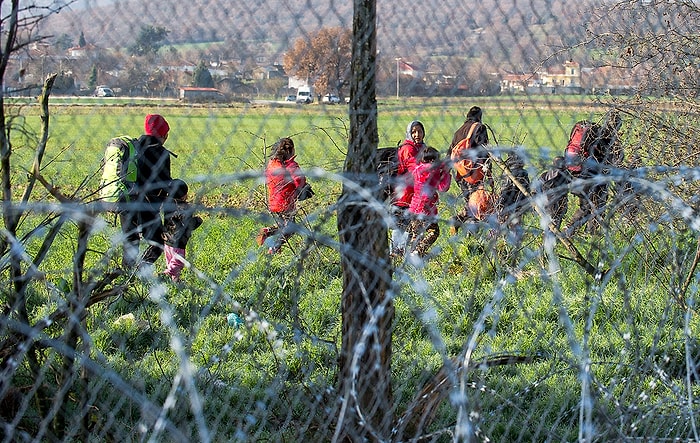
(610, 337)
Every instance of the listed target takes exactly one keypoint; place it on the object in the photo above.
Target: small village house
(195, 94)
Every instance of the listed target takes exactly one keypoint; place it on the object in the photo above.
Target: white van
(305, 94)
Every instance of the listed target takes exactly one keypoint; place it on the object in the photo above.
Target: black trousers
(141, 221)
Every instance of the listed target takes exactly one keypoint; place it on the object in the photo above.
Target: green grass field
(621, 328)
(218, 142)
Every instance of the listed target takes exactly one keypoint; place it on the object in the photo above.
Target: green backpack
(118, 170)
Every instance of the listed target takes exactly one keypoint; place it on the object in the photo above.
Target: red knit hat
(156, 125)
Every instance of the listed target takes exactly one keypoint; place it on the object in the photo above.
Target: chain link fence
(521, 322)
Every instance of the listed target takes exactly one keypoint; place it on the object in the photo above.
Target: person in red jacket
(407, 153)
(430, 176)
(285, 184)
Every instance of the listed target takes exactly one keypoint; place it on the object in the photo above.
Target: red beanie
(156, 125)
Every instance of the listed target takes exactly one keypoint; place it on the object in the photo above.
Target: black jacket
(153, 176)
(511, 199)
(178, 224)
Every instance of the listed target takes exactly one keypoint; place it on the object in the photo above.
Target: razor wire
(511, 328)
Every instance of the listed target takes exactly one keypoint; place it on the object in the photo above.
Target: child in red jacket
(430, 176)
(285, 185)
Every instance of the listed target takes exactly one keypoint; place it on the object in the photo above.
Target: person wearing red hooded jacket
(430, 176)
(407, 153)
(286, 184)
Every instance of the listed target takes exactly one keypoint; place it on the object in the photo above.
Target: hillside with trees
(461, 49)
(512, 36)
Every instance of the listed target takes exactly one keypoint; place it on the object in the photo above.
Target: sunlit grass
(292, 301)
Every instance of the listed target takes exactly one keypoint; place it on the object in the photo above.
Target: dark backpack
(119, 170)
(387, 170)
(511, 200)
(305, 192)
(553, 183)
(581, 144)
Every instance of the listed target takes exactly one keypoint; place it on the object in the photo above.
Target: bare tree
(323, 58)
(21, 339)
(653, 43)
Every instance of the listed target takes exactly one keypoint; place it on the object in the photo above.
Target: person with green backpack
(135, 180)
(153, 180)
(118, 191)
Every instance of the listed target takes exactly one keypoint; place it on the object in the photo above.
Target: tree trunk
(367, 309)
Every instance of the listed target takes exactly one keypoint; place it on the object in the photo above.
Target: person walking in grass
(553, 184)
(470, 161)
(152, 183)
(603, 153)
(512, 204)
(404, 186)
(430, 176)
(179, 222)
(286, 184)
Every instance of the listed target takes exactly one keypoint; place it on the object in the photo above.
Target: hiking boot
(262, 236)
(396, 253)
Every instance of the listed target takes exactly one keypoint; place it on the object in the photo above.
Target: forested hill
(520, 32)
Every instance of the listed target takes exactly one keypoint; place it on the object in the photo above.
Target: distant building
(268, 72)
(407, 69)
(189, 68)
(511, 83)
(607, 79)
(40, 48)
(194, 94)
(568, 76)
(82, 51)
(564, 79)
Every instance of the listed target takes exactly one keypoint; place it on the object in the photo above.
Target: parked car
(331, 99)
(291, 98)
(305, 95)
(103, 91)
